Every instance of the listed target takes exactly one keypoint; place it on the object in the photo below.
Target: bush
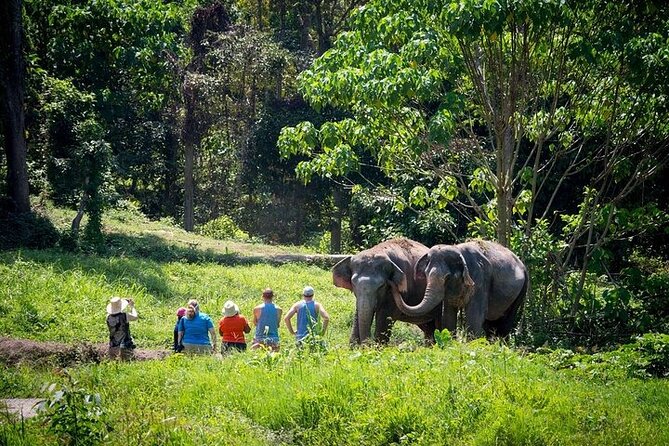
(646, 357)
(27, 230)
(74, 415)
(222, 228)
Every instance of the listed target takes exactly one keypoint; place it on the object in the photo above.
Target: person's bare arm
(212, 332)
(256, 316)
(288, 317)
(325, 317)
(132, 314)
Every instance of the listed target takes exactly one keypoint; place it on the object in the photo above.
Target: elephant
(483, 278)
(369, 275)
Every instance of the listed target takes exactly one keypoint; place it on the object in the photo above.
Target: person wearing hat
(232, 328)
(308, 312)
(178, 347)
(118, 321)
(266, 317)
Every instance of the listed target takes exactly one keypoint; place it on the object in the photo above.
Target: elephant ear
(421, 266)
(398, 277)
(341, 274)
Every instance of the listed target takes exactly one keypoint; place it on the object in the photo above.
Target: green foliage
(647, 356)
(471, 393)
(222, 228)
(73, 415)
(443, 338)
(30, 230)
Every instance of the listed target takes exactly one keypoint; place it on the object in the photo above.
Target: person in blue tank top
(266, 317)
(308, 313)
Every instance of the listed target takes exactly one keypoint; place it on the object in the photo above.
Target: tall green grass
(461, 394)
(464, 395)
(50, 295)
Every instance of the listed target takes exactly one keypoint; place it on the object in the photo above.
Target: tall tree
(12, 74)
(491, 102)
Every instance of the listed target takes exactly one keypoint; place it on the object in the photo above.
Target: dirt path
(24, 351)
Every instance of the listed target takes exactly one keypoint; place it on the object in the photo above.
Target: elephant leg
(355, 332)
(474, 321)
(384, 325)
(449, 318)
(503, 326)
(428, 330)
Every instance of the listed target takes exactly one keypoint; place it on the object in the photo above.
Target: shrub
(222, 228)
(653, 351)
(74, 415)
(27, 230)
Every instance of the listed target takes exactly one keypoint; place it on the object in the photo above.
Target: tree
(486, 100)
(204, 20)
(12, 74)
(114, 51)
(521, 116)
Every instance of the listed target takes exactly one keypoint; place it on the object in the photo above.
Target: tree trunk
(11, 81)
(306, 43)
(189, 186)
(76, 222)
(335, 223)
(259, 13)
(189, 138)
(504, 192)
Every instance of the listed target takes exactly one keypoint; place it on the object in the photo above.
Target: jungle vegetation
(337, 124)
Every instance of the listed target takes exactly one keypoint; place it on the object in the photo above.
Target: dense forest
(542, 124)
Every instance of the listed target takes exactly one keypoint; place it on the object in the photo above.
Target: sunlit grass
(57, 296)
(462, 394)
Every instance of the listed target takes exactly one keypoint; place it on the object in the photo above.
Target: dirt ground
(24, 351)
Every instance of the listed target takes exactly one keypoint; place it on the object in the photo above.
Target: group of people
(194, 331)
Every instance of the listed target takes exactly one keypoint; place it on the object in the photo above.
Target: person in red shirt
(232, 328)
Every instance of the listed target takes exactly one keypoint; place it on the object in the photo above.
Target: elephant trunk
(433, 297)
(365, 314)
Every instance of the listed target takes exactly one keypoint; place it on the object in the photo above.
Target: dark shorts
(270, 343)
(232, 346)
(197, 349)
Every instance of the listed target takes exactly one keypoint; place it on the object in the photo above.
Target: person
(308, 313)
(195, 305)
(266, 317)
(181, 312)
(195, 330)
(118, 321)
(232, 327)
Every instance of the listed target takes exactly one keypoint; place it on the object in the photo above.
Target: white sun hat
(116, 305)
(230, 309)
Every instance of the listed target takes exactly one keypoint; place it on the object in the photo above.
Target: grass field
(460, 393)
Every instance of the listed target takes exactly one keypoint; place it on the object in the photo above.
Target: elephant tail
(503, 326)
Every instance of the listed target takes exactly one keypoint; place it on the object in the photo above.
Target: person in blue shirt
(308, 313)
(266, 317)
(195, 331)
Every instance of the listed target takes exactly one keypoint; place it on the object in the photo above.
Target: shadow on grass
(136, 260)
(157, 249)
(152, 247)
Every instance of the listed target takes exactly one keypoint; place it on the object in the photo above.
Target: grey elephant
(483, 278)
(369, 275)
